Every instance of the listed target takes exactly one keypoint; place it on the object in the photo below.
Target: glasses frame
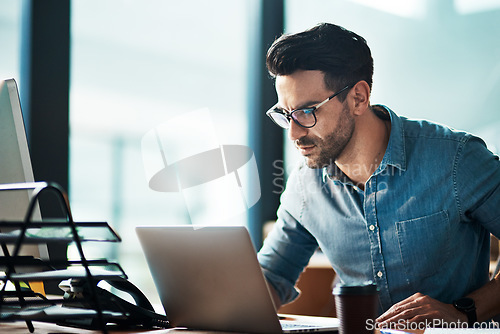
(289, 115)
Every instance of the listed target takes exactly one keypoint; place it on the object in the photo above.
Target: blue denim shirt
(422, 223)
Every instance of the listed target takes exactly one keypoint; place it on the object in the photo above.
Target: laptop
(209, 278)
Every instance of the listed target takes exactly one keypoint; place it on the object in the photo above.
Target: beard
(332, 146)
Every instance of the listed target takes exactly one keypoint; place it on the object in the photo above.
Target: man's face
(324, 143)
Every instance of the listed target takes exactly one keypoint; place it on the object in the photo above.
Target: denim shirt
(422, 223)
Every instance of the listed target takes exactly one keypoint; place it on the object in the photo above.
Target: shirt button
(380, 274)
(371, 227)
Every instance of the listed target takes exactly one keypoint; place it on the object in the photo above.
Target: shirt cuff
(286, 291)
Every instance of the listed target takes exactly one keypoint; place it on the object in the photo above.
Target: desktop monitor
(15, 159)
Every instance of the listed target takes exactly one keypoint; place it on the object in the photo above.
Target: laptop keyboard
(293, 325)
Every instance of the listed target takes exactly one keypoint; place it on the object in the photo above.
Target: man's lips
(305, 149)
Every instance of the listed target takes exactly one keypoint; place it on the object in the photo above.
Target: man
(406, 204)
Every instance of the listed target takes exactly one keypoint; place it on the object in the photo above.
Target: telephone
(77, 293)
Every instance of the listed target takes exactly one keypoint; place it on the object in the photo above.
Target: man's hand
(421, 308)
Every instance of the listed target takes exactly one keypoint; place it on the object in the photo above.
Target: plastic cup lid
(366, 288)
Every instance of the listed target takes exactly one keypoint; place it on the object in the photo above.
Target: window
(134, 66)
(10, 35)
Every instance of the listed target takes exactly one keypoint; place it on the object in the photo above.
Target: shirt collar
(395, 154)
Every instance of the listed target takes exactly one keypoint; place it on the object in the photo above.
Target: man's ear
(360, 97)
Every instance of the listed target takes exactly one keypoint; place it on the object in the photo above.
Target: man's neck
(367, 149)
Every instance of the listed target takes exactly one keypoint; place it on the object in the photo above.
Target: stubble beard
(333, 145)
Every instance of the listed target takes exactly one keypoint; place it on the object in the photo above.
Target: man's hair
(342, 55)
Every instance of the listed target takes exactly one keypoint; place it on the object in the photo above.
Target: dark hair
(342, 55)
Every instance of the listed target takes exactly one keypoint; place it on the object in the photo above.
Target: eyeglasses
(304, 117)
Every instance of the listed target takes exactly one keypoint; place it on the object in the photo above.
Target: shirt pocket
(424, 244)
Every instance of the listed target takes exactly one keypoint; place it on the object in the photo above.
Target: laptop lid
(209, 278)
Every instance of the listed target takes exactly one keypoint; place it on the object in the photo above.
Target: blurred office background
(136, 64)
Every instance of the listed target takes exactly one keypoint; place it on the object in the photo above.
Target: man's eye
(308, 111)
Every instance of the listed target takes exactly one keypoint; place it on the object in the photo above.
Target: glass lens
(280, 119)
(304, 117)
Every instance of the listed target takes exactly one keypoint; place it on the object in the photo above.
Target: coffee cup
(356, 307)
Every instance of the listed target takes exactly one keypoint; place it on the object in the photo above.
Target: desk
(45, 328)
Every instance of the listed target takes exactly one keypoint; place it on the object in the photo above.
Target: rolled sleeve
(478, 185)
(286, 291)
(289, 246)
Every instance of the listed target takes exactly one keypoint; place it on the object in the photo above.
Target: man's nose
(296, 131)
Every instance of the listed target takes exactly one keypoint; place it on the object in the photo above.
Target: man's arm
(275, 297)
(419, 307)
(487, 299)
